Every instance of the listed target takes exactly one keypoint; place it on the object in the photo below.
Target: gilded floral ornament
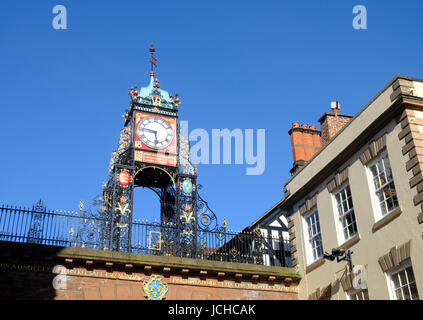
(188, 216)
(121, 224)
(123, 209)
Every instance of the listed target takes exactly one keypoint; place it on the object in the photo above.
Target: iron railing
(80, 229)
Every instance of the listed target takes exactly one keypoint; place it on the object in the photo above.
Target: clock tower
(151, 154)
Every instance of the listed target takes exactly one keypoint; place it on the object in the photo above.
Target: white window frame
(357, 292)
(338, 218)
(308, 244)
(375, 201)
(391, 285)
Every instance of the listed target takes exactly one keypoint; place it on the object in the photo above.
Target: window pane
(373, 170)
(352, 216)
(345, 211)
(395, 202)
(395, 279)
(383, 208)
(413, 290)
(382, 178)
(350, 203)
(320, 251)
(347, 189)
(345, 206)
(376, 182)
(398, 294)
(379, 166)
(387, 191)
(410, 274)
(346, 236)
(340, 210)
(314, 239)
(390, 204)
(403, 278)
(348, 217)
(392, 186)
(380, 196)
(351, 229)
(319, 243)
(406, 293)
(344, 223)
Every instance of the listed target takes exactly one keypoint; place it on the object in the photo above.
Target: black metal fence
(80, 229)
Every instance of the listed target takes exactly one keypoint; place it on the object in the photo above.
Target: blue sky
(235, 64)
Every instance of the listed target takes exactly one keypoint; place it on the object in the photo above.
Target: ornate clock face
(155, 132)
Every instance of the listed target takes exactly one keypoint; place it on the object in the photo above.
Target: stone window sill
(386, 219)
(350, 242)
(315, 265)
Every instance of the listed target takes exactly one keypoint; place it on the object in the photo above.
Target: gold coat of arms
(155, 288)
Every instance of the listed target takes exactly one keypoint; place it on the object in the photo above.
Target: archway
(163, 185)
(154, 206)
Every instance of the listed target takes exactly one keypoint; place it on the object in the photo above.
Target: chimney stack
(332, 122)
(305, 143)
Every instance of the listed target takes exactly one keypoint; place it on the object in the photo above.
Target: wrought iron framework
(187, 227)
(80, 229)
(175, 184)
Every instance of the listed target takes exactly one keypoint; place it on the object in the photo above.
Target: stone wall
(29, 271)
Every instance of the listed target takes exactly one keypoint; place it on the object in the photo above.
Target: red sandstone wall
(16, 285)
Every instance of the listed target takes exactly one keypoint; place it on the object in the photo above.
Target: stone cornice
(122, 260)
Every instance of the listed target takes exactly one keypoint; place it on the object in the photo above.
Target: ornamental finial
(153, 60)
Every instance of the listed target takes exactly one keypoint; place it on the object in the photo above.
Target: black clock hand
(151, 131)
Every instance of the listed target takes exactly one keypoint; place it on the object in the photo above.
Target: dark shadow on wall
(26, 271)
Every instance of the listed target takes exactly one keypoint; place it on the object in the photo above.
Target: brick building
(361, 191)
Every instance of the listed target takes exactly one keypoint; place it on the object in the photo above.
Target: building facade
(361, 191)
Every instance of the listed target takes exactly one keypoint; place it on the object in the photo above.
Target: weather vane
(153, 60)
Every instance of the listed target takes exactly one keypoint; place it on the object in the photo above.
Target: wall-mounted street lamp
(340, 255)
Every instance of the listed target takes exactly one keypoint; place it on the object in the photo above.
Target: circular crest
(124, 178)
(187, 186)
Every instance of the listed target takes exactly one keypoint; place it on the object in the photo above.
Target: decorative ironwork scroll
(35, 233)
(84, 229)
